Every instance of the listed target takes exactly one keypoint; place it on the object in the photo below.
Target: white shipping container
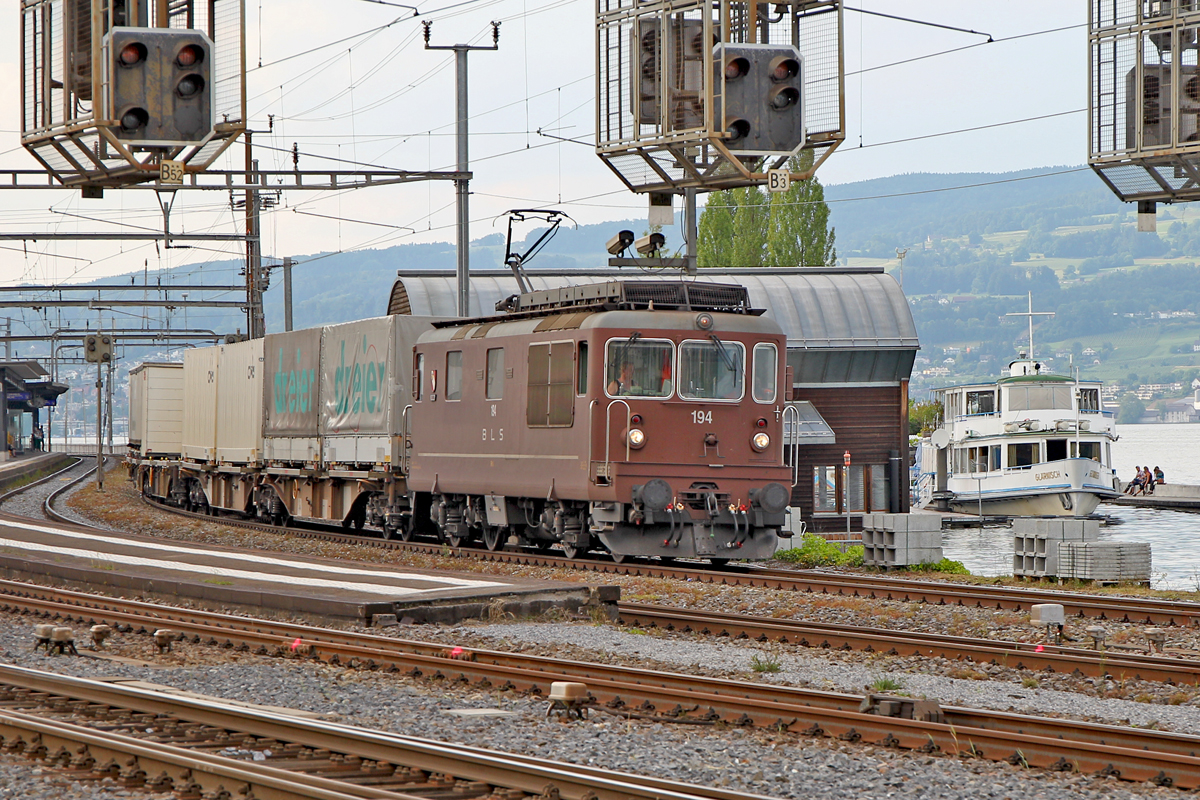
(240, 403)
(156, 408)
(200, 382)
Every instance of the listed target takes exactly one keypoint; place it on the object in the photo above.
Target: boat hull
(1069, 488)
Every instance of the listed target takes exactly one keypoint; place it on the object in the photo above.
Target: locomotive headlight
(760, 441)
(636, 438)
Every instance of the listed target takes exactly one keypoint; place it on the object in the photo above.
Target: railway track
(1149, 611)
(202, 747)
(1130, 753)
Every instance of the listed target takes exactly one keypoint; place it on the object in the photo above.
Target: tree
(743, 228)
(923, 417)
(1130, 410)
(798, 233)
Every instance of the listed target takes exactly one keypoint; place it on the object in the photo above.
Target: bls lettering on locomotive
(358, 386)
(293, 388)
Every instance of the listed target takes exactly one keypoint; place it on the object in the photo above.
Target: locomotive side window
(550, 399)
(495, 374)
(581, 369)
(766, 365)
(639, 367)
(711, 370)
(418, 376)
(454, 375)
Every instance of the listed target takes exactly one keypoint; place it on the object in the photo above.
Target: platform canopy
(843, 325)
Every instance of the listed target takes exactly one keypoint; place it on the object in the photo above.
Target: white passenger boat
(1029, 444)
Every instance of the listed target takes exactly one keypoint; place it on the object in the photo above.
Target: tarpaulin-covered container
(356, 392)
(240, 402)
(292, 410)
(200, 381)
(156, 408)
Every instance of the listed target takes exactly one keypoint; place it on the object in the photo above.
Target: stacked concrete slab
(1104, 561)
(1035, 543)
(900, 540)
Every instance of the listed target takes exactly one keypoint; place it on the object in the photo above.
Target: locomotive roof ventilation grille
(665, 295)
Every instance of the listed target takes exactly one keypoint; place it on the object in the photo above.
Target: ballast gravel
(751, 761)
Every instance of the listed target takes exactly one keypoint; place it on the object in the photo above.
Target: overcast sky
(382, 99)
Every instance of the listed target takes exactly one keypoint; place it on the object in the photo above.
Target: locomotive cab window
(454, 375)
(639, 367)
(712, 370)
(581, 370)
(495, 374)
(766, 367)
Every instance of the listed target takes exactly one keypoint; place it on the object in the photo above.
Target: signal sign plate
(170, 172)
(778, 180)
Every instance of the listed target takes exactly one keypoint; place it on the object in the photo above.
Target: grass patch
(816, 552)
(218, 582)
(946, 566)
(1030, 683)
(885, 684)
(764, 664)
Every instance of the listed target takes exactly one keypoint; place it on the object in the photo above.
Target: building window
(766, 369)
(418, 380)
(550, 399)
(495, 374)
(454, 375)
(825, 490)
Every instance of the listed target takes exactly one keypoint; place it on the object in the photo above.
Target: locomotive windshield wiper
(728, 359)
(633, 337)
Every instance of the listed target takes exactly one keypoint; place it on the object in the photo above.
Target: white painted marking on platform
(370, 583)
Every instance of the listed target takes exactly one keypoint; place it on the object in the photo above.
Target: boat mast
(1031, 314)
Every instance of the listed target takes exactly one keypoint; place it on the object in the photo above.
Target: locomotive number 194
(702, 417)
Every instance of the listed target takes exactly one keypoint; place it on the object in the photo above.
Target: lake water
(1173, 535)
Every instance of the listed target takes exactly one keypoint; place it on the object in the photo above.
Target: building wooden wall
(869, 421)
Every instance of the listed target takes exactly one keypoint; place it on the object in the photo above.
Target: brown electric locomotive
(644, 418)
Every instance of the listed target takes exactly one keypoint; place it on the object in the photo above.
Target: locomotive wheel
(405, 532)
(570, 551)
(458, 541)
(618, 558)
(494, 537)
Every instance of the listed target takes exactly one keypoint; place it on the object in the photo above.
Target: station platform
(275, 584)
(14, 468)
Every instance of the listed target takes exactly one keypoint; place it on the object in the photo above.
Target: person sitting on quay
(1149, 480)
(1138, 484)
(1159, 478)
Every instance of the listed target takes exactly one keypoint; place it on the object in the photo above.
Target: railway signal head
(160, 86)
(762, 89)
(98, 348)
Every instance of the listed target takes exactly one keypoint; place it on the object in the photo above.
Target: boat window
(981, 402)
(1089, 400)
(711, 370)
(766, 367)
(1056, 449)
(639, 367)
(1026, 398)
(495, 374)
(454, 375)
(1022, 455)
(1086, 450)
(995, 459)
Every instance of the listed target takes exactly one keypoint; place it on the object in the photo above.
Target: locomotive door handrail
(405, 445)
(608, 434)
(791, 443)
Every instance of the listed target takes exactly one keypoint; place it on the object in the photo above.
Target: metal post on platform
(846, 492)
(99, 427)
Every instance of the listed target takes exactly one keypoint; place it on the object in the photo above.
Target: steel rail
(1018, 655)
(485, 767)
(11, 493)
(1122, 609)
(686, 696)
